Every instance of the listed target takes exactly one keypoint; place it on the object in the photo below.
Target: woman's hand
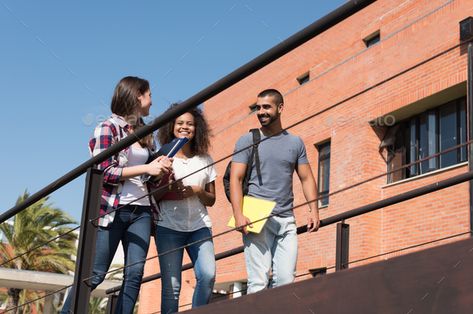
(185, 191)
(159, 166)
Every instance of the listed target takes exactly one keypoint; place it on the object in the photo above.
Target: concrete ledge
(36, 280)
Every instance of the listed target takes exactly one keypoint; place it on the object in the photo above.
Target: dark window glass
(372, 39)
(448, 134)
(462, 128)
(397, 156)
(427, 140)
(324, 173)
(413, 145)
(305, 78)
(427, 134)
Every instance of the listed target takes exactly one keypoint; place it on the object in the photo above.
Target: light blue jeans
(275, 247)
(202, 256)
(132, 226)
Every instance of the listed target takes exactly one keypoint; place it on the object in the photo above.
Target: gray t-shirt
(278, 156)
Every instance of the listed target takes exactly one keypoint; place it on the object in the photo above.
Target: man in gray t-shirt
(280, 154)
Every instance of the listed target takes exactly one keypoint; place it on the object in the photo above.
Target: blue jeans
(132, 226)
(202, 256)
(274, 248)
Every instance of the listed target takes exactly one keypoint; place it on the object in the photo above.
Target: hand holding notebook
(169, 150)
(255, 209)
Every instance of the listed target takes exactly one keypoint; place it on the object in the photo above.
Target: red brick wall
(340, 67)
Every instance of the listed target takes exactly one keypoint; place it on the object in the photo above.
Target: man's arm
(237, 175)
(310, 193)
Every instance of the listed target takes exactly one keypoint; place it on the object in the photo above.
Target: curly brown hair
(200, 144)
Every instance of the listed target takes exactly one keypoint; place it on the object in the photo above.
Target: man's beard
(266, 119)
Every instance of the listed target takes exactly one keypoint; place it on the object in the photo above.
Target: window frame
(303, 78)
(372, 39)
(409, 134)
(323, 201)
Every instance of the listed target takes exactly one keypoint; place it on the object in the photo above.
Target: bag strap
(255, 156)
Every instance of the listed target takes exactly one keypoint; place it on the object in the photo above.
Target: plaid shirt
(106, 134)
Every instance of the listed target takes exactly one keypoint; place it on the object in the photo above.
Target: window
(324, 173)
(304, 78)
(426, 134)
(372, 39)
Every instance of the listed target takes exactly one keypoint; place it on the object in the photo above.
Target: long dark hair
(200, 144)
(125, 97)
(125, 103)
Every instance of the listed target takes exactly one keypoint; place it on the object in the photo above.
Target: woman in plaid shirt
(126, 210)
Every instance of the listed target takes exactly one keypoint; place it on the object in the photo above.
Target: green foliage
(97, 305)
(32, 228)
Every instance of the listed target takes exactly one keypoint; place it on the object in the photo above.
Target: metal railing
(342, 251)
(93, 185)
(341, 263)
(92, 193)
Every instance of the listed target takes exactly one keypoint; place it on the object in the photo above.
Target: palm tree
(31, 228)
(97, 305)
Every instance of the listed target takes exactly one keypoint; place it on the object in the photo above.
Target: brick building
(382, 88)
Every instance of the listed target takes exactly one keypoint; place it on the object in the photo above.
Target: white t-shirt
(134, 188)
(188, 214)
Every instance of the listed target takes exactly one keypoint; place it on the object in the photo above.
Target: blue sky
(60, 61)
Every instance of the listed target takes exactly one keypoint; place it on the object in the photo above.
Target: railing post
(88, 234)
(112, 303)
(343, 238)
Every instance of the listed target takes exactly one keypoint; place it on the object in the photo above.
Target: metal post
(470, 123)
(86, 249)
(48, 303)
(112, 303)
(343, 237)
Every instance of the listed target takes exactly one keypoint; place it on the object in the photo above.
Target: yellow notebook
(255, 209)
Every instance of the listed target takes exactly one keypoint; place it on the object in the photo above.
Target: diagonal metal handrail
(313, 115)
(461, 178)
(237, 75)
(239, 249)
